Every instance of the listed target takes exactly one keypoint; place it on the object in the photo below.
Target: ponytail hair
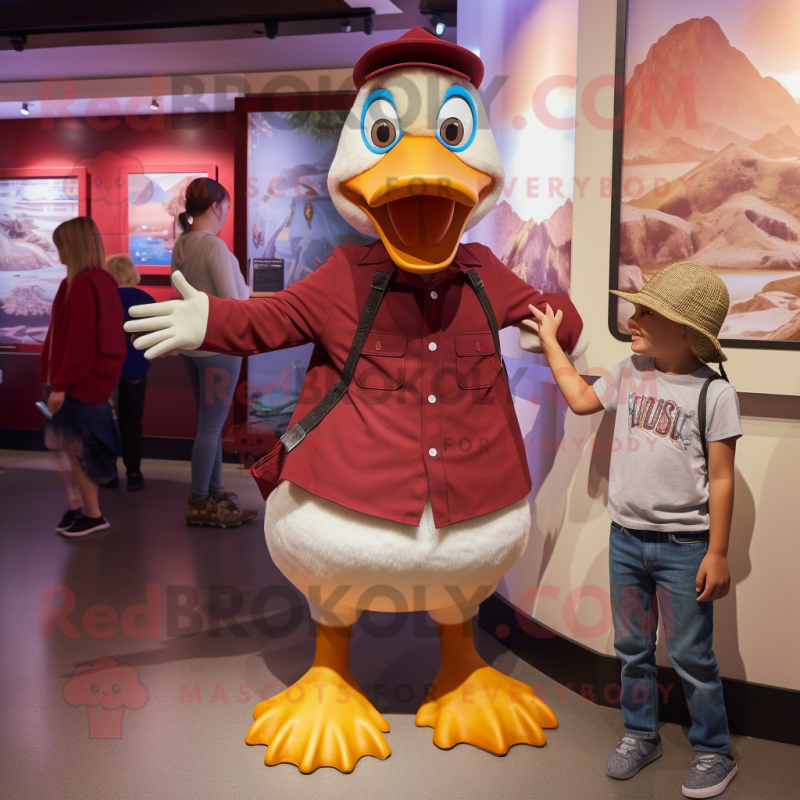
(201, 194)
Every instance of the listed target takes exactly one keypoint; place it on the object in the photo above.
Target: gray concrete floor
(180, 746)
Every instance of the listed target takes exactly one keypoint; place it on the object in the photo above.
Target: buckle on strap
(293, 437)
(475, 279)
(380, 280)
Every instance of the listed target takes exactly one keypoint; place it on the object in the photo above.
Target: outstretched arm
(294, 316)
(580, 397)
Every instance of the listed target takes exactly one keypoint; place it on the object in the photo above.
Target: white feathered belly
(327, 550)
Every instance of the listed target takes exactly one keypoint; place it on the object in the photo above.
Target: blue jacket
(135, 364)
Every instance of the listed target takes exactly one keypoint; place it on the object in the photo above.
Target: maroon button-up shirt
(429, 411)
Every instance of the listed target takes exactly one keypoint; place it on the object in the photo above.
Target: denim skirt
(88, 432)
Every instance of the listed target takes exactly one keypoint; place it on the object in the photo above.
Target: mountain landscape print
(711, 168)
(530, 228)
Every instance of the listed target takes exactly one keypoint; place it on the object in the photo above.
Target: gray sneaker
(710, 775)
(630, 755)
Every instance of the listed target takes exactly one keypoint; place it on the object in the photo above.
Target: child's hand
(55, 401)
(545, 324)
(713, 579)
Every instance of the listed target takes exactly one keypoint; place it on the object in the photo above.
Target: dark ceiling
(56, 23)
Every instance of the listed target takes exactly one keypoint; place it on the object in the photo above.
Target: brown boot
(230, 502)
(211, 514)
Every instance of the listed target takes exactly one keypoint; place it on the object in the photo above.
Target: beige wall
(756, 637)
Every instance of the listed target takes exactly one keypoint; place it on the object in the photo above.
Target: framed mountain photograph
(707, 158)
(33, 203)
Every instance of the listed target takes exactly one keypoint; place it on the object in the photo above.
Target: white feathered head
(417, 163)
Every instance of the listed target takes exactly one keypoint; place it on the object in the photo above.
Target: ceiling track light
(24, 110)
(369, 25)
(438, 26)
(345, 26)
(154, 104)
(271, 27)
(18, 42)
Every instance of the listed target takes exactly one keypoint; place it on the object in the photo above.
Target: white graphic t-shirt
(658, 479)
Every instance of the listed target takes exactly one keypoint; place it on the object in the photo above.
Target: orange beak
(420, 196)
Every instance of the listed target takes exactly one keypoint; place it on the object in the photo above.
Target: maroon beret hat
(418, 48)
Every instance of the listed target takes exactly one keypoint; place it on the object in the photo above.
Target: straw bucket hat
(691, 295)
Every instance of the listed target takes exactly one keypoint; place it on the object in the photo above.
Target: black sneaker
(135, 481)
(84, 525)
(112, 484)
(70, 515)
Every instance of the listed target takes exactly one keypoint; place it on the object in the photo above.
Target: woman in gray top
(210, 267)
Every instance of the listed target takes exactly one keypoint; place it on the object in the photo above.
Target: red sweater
(85, 345)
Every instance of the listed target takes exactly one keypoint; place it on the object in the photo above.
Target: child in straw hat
(670, 508)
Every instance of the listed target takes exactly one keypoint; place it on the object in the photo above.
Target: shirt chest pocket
(477, 360)
(382, 361)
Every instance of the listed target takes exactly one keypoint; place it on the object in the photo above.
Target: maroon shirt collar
(464, 260)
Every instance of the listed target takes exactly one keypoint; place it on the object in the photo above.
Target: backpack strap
(701, 411)
(296, 434)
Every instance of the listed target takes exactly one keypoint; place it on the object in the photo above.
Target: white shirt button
(431, 398)
(432, 452)
(432, 346)
(434, 295)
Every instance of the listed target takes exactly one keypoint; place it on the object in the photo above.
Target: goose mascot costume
(412, 492)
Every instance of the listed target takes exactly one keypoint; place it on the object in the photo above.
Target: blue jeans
(654, 572)
(213, 380)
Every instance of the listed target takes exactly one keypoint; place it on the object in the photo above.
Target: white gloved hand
(529, 341)
(581, 346)
(175, 325)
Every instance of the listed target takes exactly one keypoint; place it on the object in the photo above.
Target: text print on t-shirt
(665, 418)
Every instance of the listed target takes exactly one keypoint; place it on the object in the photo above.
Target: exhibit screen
(292, 229)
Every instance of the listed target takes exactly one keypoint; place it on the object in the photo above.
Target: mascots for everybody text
(403, 477)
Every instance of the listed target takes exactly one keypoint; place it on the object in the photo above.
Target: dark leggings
(130, 411)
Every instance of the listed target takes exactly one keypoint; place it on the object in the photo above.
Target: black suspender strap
(380, 283)
(296, 434)
(476, 283)
(701, 412)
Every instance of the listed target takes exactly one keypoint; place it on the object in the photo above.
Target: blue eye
(455, 123)
(380, 125)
